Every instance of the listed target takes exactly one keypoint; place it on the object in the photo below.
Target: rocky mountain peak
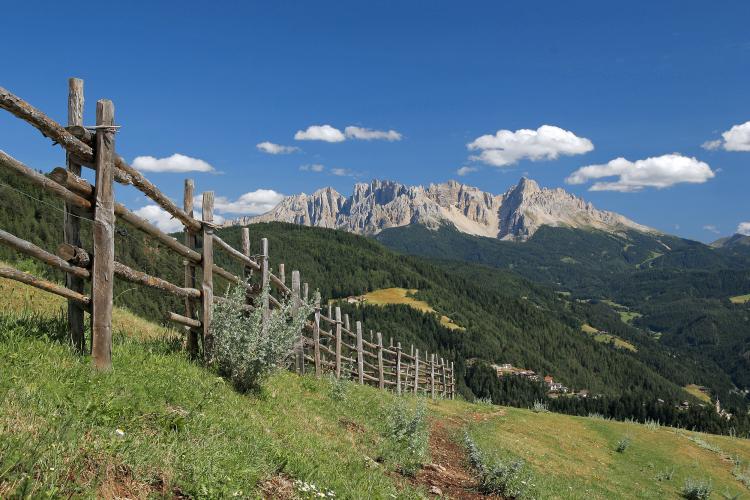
(515, 215)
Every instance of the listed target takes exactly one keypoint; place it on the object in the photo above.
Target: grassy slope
(187, 431)
(575, 457)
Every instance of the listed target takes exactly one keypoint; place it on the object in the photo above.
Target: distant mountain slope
(732, 241)
(514, 215)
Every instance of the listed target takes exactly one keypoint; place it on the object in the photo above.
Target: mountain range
(514, 215)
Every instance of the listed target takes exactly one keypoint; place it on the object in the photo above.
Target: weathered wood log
(80, 132)
(42, 284)
(443, 378)
(398, 368)
(338, 342)
(453, 383)
(102, 269)
(247, 261)
(432, 375)
(42, 181)
(233, 278)
(416, 371)
(139, 277)
(247, 271)
(183, 320)
(360, 355)
(296, 303)
(264, 280)
(316, 339)
(74, 255)
(381, 377)
(80, 186)
(84, 154)
(190, 279)
(282, 274)
(72, 224)
(207, 287)
(34, 251)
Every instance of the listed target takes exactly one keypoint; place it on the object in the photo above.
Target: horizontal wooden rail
(80, 186)
(84, 153)
(42, 181)
(183, 320)
(235, 253)
(42, 284)
(32, 250)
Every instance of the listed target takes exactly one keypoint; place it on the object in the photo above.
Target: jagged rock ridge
(514, 215)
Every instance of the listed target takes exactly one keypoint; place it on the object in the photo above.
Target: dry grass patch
(387, 296)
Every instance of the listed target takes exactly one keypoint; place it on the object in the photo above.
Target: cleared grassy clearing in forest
(740, 299)
(386, 296)
(608, 338)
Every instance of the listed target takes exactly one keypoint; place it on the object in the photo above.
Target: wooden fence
(328, 342)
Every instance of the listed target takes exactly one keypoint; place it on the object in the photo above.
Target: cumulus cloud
(175, 163)
(324, 133)
(547, 142)
(342, 172)
(744, 228)
(711, 228)
(315, 167)
(658, 172)
(275, 149)
(736, 138)
(253, 203)
(466, 170)
(367, 134)
(160, 218)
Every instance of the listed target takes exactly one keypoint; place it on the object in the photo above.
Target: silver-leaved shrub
(243, 351)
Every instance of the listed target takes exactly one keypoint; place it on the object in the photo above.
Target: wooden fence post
(453, 383)
(190, 281)
(338, 342)
(207, 287)
(316, 338)
(444, 392)
(299, 350)
(72, 224)
(265, 281)
(346, 322)
(416, 372)
(398, 368)
(248, 271)
(432, 375)
(305, 291)
(282, 274)
(329, 311)
(381, 374)
(102, 271)
(360, 355)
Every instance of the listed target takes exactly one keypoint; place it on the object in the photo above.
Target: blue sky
(637, 80)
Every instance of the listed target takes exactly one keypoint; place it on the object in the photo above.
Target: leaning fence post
(207, 263)
(432, 375)
(247, 271)
(360, 355)
(381, 375)
(316, 337)
(72, 227)
(190, 242)
(416, 372)
(102, 271)
(300, 350)
(338, 342)
(264, 283)
(398, 368)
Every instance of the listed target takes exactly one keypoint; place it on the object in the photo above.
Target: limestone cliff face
(514, 215)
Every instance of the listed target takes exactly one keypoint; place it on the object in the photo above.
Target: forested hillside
(676, 291)
(506, 318)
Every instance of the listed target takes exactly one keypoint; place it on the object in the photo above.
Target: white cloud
(275, 149)
(736, 138)
(367, 134)
(744, 228)
(160, 218)
(658, 172)
(342, 172)
(547, 142)
(711, 228)
(174, 163)
(252, 203)
(315, 167)
(320, 133)
(466, 170)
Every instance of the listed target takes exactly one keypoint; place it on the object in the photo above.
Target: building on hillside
(553, 386)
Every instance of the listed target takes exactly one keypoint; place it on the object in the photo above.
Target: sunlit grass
(387, 296)
(698, 392)
(740, 299)
(607, 338)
